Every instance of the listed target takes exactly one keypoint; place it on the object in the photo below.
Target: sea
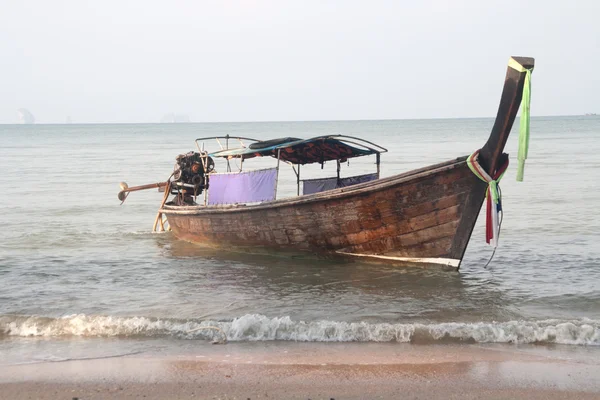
(83, 276)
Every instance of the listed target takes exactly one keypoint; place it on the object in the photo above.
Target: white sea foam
(255, 327)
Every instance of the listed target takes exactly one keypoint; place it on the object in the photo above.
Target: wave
(256, 327)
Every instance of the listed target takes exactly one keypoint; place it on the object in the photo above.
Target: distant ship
(590, 114)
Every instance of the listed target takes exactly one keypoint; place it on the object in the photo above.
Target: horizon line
(280, 121)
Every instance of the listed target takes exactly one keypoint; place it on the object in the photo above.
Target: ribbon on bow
(525, 117)
(493, 196)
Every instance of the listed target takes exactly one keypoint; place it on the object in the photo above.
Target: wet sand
(317, 371)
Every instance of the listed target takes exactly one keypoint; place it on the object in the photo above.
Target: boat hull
(419, 217)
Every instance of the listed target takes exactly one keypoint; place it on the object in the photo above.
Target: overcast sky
(134, 61)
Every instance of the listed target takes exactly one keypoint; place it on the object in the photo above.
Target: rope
(493, 196)
(494, 251)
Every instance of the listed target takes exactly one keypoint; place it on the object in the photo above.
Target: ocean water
(78, 270)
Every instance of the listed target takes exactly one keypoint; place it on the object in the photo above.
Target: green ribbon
(524, 128)
(494, 191)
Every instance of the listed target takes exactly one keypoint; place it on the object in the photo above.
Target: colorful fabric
(525, 117)
(242, 187)
(354, 180)
(524, 128)
(494, 200)
(310, 186)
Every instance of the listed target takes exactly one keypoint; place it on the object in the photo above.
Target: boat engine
(189, 176)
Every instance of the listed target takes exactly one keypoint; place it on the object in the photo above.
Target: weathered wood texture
(414, 215)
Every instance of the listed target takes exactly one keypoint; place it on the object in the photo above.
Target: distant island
(25, 116)
(589, 114)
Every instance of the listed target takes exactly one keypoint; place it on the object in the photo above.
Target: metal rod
(225, 137)
(378, 164)
(144, 187)
(298, 181)
(205, 188)
(204, 160)
(240, 138)
(181, 184)
(277, 176)
(359, 139)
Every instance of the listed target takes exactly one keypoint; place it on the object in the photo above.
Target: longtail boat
(425, 216)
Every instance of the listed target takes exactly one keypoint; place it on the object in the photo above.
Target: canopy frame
(358, 148)
(352, 146)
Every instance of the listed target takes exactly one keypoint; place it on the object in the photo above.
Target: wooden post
(158, 218)
(144, 187)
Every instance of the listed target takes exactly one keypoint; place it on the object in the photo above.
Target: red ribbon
(489, 226)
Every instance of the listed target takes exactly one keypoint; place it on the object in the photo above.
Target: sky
(111, 61)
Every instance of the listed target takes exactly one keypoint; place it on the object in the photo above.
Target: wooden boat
(425, 216)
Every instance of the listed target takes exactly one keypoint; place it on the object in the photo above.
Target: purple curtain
(353, 180)
(311, 186)
(243, 187)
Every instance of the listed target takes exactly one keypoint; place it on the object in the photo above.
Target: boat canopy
(305, 151)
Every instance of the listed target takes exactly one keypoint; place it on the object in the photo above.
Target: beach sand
(317, 371)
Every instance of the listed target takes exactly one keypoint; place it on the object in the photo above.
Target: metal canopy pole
(227, 148)
(378, 156)
(205, 189)
(297, 178)
(277, 176)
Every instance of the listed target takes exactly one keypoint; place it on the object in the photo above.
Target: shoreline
(315, 371)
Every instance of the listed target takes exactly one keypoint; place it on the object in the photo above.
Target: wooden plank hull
(407, 218)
